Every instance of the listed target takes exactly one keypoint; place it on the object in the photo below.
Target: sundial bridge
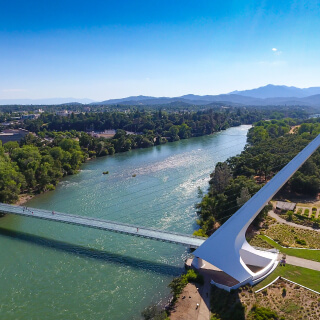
(226, 249)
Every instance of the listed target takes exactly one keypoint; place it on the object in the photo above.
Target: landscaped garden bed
(281, 300)
(289, 301)
(288, 236)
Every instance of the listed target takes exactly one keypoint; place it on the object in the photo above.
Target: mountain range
(263, 96)
(269, 95)
(49, 101)
(272, 91)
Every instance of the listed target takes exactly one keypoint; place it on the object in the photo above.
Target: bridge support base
(198, 263)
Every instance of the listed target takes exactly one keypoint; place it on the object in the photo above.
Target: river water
(57, 271)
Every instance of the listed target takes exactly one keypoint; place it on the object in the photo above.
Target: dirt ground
(293, 129)
(23, 198)
(293, 303)
(287, 299)
(186, 306)
(105, 135)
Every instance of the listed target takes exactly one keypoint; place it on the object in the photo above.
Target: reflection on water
(133, 262)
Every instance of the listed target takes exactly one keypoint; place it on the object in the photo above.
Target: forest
(35, 165)
(271, 145)
(59, 145)
(150, 127)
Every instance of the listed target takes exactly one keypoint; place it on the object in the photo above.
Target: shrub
(200, 233)
(261, 313)
(301, 242)
(49, 187)
(92, 154)
(284, 292)
(177, 284)
(154, 313)
(193, 276)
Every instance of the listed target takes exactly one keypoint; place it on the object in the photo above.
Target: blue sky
(112, 49)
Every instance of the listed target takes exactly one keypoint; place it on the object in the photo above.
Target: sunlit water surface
(57, 271)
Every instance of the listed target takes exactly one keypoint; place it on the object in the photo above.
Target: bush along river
(54, 271)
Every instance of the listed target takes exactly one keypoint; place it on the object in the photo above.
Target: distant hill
(125, 100)
(188, 99)
(272, 91)
(227, 99)
(270, 95)
(49, 101)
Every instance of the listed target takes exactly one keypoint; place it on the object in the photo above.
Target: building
(30, 116)
(281, 205)
(12, 135)
(63, 113)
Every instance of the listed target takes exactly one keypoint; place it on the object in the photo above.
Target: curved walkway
(280, 220)
(309, 264)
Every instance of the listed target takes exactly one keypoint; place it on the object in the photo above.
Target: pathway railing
(91, 222)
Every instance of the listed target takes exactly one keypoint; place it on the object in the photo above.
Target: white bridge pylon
(227, 248)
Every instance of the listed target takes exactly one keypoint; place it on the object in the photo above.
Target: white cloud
(276, 51)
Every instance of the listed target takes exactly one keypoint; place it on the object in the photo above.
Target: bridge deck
(190, 241)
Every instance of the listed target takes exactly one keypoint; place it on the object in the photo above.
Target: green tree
(173, 133)
(220, 177)
(10, 146)
(244, 197)
(11, 181)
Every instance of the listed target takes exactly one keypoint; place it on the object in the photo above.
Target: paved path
(303, 263)
(178, 238)
(280, 220)
(204, 308)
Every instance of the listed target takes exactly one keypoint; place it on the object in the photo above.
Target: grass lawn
(306, 277)
(300, 253)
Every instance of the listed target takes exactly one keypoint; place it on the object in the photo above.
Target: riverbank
(187, 305)
(23, 198)
(194, 301)
(111, 277)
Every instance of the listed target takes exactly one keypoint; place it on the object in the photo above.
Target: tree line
(271, 145)
(59, 144)
(36, 165)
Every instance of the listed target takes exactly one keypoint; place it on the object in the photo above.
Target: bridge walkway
(133, 230)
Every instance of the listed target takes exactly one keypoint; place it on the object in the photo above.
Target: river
(57, 271)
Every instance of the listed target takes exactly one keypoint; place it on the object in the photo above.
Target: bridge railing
(49, 213)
